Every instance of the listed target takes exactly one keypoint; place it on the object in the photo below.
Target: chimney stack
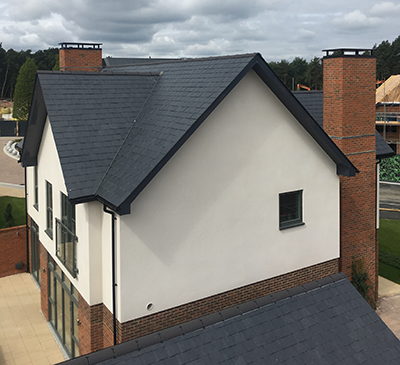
(349, 119)
(80, 57)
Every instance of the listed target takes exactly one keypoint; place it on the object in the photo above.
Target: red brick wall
(44, 281)
(380, 108)
(91, 326)
(349, 118)
(80, 59)
(108, 328)
(12, 250)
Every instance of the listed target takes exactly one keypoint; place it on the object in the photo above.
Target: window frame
(296, 204)
(66, 239)
(36, 188)
(49, 209)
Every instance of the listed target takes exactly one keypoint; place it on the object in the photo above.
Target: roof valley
(127, 135)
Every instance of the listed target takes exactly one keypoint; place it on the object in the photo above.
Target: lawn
(389, 242)
(18, 210)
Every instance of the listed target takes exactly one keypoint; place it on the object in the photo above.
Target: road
(389, 200)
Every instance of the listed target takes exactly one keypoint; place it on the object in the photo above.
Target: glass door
(63, 308)
(35, 258)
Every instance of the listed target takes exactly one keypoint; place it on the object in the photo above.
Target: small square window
(291, 209)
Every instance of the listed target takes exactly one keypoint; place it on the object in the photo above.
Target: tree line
(310, 74)
(11, 62)
(296, 73)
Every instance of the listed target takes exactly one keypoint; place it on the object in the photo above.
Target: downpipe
(114, 285)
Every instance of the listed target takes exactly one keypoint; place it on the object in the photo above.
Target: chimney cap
(64, 45)
(348, 52)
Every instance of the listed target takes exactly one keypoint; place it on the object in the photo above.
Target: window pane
(36, 188)
(60, 312)
(66, 239)
(290, 209)
(49, 212)
(67, 322)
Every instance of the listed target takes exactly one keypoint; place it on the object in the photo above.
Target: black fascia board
(344, 166)
(125, 208)
(94, 197)
(36, 121)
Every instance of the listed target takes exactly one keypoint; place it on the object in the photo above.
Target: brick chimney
(80, 57)
(349, 119)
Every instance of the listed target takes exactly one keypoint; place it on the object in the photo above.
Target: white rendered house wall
(209, 221)
(89, 248)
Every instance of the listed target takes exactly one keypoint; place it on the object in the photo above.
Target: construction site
(388, 111)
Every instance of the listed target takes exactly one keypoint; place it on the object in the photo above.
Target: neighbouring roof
(313, 102)
(116, 129)
(117, 61)
(323, 322)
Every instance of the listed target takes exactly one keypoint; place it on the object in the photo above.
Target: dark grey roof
(115, 130)
(313, 102)
(117, 61)
(383, 150)
(324, 322)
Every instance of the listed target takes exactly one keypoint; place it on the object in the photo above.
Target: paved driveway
(25, 337)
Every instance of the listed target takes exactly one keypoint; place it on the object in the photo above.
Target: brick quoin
(12, 250)
(349, 118)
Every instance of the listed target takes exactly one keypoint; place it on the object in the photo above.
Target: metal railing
(66, 247)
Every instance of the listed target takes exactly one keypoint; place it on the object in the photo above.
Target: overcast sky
(278, 29)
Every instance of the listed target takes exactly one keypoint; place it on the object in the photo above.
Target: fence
(9, 128)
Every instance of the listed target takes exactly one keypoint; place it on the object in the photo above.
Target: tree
(45, 60)
(57, 64)
(8, 217)
(298, 69)
(14, 62)
(382, 54)
(314, 74)
(3, 70)
(24, 90)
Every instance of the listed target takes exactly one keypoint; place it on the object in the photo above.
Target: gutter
(114, 285)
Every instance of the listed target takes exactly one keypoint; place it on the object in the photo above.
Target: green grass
(389, 241)
(18, 210)
(389, 272)
(389, 236)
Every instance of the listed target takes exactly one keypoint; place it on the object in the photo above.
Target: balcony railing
(66, 247)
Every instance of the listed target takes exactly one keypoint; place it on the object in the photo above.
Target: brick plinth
(13, 250)
(145, 325)
(349, 118)
(94, 335)
(44, 281)
(91, 326)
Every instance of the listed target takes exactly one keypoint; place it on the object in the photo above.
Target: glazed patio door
(35, 258)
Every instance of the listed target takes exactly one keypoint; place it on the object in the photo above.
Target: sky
(278, 29)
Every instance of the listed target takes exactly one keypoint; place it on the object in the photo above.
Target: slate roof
(118, 61)
(313, 101)
(116, 129)
(323, 322)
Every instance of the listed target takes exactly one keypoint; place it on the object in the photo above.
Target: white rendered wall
(88, 220)
(208, 222)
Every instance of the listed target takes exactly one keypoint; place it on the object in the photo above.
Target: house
(164, 191)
